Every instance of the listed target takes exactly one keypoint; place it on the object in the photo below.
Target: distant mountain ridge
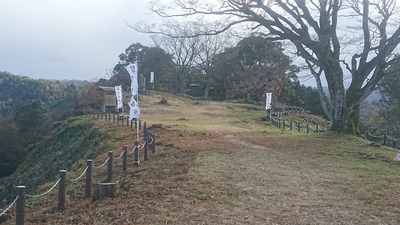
(374, 96)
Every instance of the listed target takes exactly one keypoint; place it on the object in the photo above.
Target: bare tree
(314, 28)
(183, 53)
(209, 47)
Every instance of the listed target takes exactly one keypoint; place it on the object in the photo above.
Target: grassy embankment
(218, 163)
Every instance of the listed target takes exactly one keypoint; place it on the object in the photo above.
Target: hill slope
(71, 142)
(17, 91)
(218, 163)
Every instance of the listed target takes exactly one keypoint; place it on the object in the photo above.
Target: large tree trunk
(353, 120)
(334, 77)
(208, 85)
(354, 96)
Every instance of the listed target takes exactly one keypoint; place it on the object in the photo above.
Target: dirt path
(207, 171)
(253, 184)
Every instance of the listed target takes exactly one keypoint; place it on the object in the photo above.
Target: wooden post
(88, 184)
(113, 117)
(316, 128)
(109, 166)
(124, 157)
(20, 207)
(283, 124)
(384, 139)
(279, 123)
(145, 153)
(308, 129)
(153, 145)
(98, 115)
(136, 126)
(144, 129)
(61, 190)
(298, 126)
(140, 124)
(136, 160)
(118, 119)
(291, 125)
(127, 122)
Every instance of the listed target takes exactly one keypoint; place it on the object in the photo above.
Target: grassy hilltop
(218, 163)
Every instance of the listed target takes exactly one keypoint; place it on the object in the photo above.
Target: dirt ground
(220, 181)
(214, 175)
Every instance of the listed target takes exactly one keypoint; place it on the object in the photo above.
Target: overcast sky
(67, 39)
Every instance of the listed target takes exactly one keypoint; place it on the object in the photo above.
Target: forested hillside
(17, 91)
(73, 140)
(29, 109)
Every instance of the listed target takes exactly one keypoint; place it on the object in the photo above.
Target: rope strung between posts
(394, 139)
(152, 139)
(133, 150)
(76, 179)
(9, 207)
(36, 196)
(381, 136)
(120, 155)
(97, 167)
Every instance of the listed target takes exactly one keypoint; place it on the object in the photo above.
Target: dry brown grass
(217, 163)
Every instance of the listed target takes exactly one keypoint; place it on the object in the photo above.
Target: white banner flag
(151, 77)
(133, 73)
(134, 106)
(118, 93)
(135, 111)
(268, 100)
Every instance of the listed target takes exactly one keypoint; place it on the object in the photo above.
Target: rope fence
(98, 167)
(282, 113)
(45, 193)
(384, 139)
(78, 178)
(277, 121)
(298, 126)
(9, 207)
(120, 119)
(148, 143)
(134, 149)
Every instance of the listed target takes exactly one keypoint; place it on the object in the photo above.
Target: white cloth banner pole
(118, 94)
(151, 77)
(268, 100)
(134, 106)
(133, 73)
(133, 103)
